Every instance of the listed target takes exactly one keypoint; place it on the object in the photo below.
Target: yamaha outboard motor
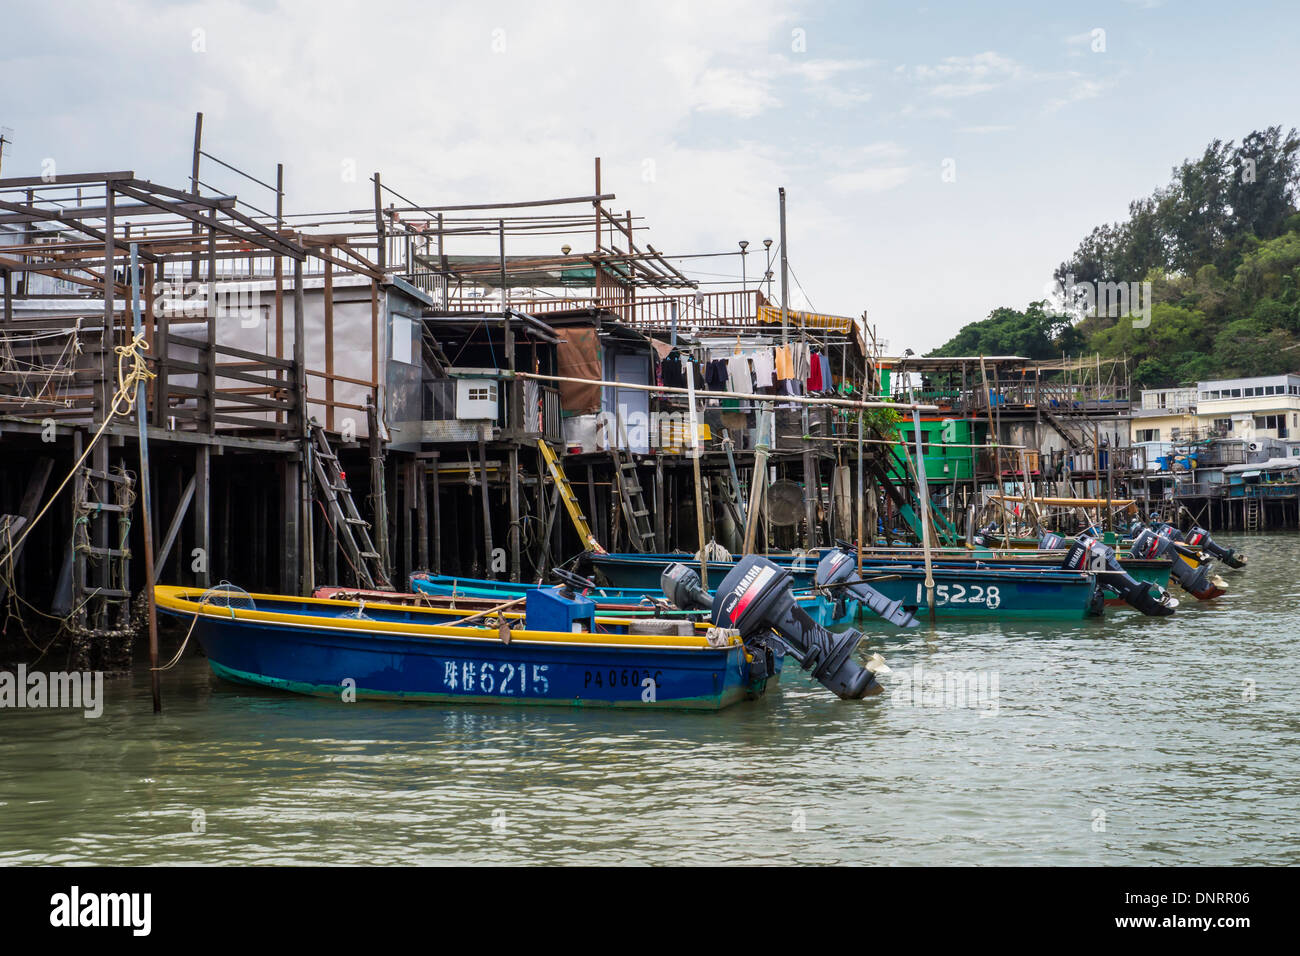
(1190, 570)
(1089, 554)
(836, 570)
(755, 598)
(1198, 537)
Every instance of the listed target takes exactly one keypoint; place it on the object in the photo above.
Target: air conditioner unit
(1254, 446)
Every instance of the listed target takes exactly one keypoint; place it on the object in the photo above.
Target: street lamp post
(767, 272)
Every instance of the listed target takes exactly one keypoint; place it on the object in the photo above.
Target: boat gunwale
(183, 602)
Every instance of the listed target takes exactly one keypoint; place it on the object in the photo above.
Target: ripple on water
(1121, 741)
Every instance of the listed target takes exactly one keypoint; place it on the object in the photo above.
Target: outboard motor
(682, 586)
(984, 534)
(755, 598)
(836, 569)
(1198, 537)
(1190, 570)
(1089, 554)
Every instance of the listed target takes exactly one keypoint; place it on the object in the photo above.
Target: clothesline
(753, 397)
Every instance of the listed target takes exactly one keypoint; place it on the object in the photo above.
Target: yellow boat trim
(186, 601)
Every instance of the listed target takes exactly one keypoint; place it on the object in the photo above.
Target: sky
(940, 160)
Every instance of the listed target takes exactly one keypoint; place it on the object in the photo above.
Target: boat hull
(389, 660)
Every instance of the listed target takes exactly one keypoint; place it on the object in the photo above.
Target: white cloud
(874, 180)
(955, 77)
(1082, 88)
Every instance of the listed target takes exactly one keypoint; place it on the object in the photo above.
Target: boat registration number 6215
(990, 596)
(496, 677)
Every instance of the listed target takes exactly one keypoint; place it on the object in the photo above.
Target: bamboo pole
(146, 498)
(699, 483)
(775, 399)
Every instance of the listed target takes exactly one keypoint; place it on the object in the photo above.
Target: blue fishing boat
(558, 652)
(960, 591)
(615, 601)
(374, 651)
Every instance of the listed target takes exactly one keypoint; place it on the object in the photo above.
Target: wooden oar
(492, 610)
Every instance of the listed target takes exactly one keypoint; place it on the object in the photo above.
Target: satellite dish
(785, 503)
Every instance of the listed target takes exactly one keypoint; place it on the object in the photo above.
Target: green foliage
(884, 421)
(1033, 333)
(1220, 246)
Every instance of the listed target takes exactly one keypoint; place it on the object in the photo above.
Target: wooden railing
(709, 310)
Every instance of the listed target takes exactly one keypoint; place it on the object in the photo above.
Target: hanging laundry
(764, 368)
(799, 353)
(828, 380)
(674, 374)
(715, 375)
(742, 379)
(815, 375)
(784, 364)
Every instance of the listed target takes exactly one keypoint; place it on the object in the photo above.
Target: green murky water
(1123, 741)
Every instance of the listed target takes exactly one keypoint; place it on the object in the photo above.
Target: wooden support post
(210, 352)
(661, 541)
(406, 470)
(329, 345)
(146, 492)
(304, 497)
(202, 499)
(593, 518)
(516, 569)
(811, 493)
(487, 507)
(437, 516)
(378, 492)
(290, 540)
(422, 514)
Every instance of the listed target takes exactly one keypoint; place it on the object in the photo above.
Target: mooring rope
(131, 371)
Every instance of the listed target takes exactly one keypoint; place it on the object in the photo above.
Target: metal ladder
(1250, 508)
(631, 496)
(568, 497)
(350, 529)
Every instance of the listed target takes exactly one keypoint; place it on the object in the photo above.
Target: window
(910, 439)
(1223, 425)
(1148, 434)
(485, 393)
(1269, 422)
(403, 334)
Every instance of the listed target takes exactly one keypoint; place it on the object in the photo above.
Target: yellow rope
(123, 402)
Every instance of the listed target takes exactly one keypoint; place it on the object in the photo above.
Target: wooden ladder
(1251, 514)
(632, 497)
(99, 575)
(570, 500)
(350, 529)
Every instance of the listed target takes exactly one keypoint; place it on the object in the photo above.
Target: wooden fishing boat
(431, 589)
(988, 593)
(557, 652)
(642, 571)
(960, 590)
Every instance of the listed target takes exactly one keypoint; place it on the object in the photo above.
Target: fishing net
(227, 596)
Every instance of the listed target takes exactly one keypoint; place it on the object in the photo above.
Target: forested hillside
(1220, 246)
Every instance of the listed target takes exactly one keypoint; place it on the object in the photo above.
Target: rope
(132, 370)
(222, 587)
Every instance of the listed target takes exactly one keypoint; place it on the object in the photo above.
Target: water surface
(1123, 741)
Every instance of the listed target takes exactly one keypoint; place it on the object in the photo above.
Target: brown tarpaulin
(579, 357)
